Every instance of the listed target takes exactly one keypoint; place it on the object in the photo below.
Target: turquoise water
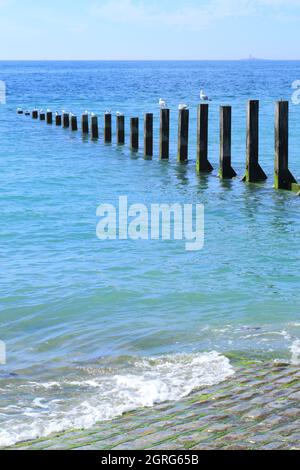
(92, 327)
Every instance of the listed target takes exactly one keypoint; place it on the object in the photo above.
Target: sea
(94, 328)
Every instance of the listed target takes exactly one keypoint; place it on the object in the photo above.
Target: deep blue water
(96, 327)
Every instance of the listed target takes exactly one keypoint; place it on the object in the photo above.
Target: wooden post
(35, 114)
(107, 128)
(42, 116)
(58, 119)
(254, 172)
(49, 117)
(148, 135)
(183, 135)
(283, 177)
(226, 170)
(74, 125)
(164, 143)
(134, 134)
(203, 164)
(65, 120)
(85, 123)
(94, 127)
(120, 129)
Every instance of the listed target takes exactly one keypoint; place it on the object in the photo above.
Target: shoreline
(255, 409)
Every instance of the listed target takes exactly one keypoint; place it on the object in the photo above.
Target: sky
(149, 29)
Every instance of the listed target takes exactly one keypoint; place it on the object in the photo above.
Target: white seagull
(118, 113)
(162, 103)
(203, 96)
(107, 111)
(183, 106)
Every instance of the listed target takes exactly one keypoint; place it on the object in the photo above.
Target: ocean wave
(93, 396)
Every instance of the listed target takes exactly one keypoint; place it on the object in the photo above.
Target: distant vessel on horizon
(251, 58)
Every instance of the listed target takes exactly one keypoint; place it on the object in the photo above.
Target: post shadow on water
(181, 173)
(203, 181)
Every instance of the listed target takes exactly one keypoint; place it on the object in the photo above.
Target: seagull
(119, 114)
(107, 112)
(162, 103)
(20, 111)
(203, 96)
(183, 106)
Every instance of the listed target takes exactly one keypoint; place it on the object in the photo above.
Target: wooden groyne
(283, 179)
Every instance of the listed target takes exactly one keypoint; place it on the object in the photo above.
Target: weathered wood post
(35, 114)
(58, 119)
(254, 172)
(49, 117)
(85, 123)
(107, 128)
(94, 127)
(164, 142)
(226, 170)
(134, 134)
(42, 115)
(74, 125)
(183, 135)
(148, 135)
(283, 179)
(65, 120)
(202, 162)
(120, 129)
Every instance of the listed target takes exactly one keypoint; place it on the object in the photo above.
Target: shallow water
(77, 312)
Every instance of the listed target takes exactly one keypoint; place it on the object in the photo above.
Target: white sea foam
(101, 396)
(295, 350)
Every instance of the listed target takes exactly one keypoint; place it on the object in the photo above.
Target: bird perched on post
(162, 103)
(183, 106)
(203, 96)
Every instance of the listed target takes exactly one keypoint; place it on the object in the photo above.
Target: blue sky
(149, 29)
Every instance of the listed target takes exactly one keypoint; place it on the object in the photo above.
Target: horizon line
(152, 60)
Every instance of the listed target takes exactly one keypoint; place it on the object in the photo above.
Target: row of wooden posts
(283, 179)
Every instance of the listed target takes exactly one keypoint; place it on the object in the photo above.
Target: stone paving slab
(258, 408)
